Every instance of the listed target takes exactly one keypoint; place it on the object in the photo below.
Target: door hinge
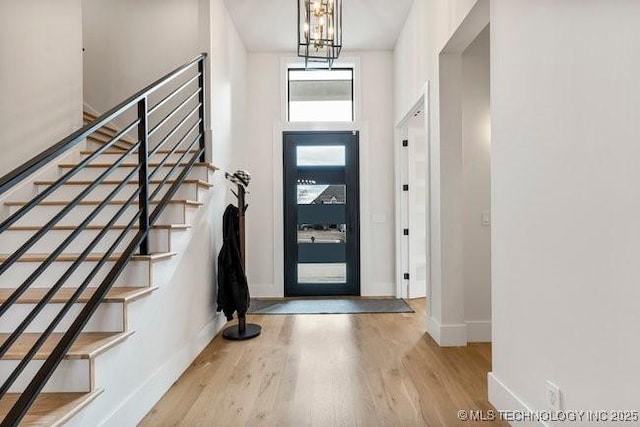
(405, 187)
(406, 276)
(405, 231)
(405, 142)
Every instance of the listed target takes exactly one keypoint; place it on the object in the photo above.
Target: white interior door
(417, 212)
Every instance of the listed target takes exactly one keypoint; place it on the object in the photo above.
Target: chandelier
(319, 31)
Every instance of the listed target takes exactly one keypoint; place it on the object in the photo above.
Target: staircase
(92, 230)
(105, 134)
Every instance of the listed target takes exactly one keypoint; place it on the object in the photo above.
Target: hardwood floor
(330, 370)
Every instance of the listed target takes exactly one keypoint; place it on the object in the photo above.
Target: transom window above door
(320, 95)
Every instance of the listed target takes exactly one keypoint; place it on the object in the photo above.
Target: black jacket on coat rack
(233, 291)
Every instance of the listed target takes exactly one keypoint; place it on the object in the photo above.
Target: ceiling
(270, 25)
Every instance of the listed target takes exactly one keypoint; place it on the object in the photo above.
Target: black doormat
(328, 306)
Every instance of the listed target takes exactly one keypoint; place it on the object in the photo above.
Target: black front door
(321, 214)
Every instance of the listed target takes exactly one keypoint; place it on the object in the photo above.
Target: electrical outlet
(553, 396)
(485, 218)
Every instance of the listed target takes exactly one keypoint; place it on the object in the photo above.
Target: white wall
(476, 187)
(229, 91)
(40, 76)
(431, 27)
(566, 201)
(263, 109)
(131, 44)
(377, 199)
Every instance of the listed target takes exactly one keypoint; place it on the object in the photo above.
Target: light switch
(485, 219)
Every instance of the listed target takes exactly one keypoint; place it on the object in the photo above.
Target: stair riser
(131, 158)
(136, 273)
(69, 192)
(71, 376)
(93, 146)
(109, 317)
(11, 240)
(91, 173)
(172, 214)
(102, 140)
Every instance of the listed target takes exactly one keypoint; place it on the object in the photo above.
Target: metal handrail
(141, 199)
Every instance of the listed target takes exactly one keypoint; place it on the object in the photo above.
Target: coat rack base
(250, 331)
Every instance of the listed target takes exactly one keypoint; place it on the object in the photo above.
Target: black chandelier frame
(326, 49)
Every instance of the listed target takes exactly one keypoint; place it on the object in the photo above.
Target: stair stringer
(172, 326)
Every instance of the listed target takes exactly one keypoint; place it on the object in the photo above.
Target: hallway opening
(463, 304)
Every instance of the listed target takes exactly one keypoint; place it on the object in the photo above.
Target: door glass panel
(322, 273)
(322, 194)
(325, 155)
(322, 233)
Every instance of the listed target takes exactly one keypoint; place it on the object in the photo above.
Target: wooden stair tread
(106, 135)
(50, 409)
(103, 136)
(104, 130)
(198, 182)
(107, 130)
(97, 202)
(89, 115)
(108, 127)
(88, 345)
(91, 257)
(98, 227)
(123, 141)
(154, 164)
(115, 294)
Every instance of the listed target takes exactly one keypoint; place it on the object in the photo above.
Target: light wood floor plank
(330, 370)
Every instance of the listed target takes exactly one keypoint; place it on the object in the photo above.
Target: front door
(321, 214)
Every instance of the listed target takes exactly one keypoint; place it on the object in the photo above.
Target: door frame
(353, 223)
(422, 103)
(276, 287)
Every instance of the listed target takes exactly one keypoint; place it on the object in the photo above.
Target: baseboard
(503, 399)
(379, 289)
(140, 402)
(448, 335)
(478, 330)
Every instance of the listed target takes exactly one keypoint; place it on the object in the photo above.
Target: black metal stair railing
(183, 107)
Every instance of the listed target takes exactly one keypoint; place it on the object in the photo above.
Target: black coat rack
(244, 330)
